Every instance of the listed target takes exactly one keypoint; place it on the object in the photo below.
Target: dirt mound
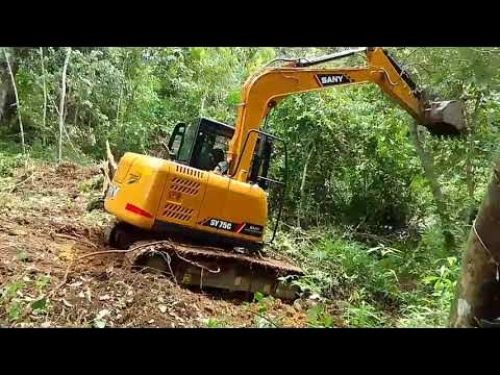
(45, 227)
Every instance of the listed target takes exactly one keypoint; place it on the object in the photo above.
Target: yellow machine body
(165, 195)
(162, 195)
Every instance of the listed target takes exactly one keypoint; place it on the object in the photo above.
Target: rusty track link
(216, 267)
(212, 253)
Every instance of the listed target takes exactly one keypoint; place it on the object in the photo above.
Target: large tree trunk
(7, 96)
(477, 299)
(16, 96)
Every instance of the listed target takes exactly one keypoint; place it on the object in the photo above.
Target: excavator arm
(265, 89)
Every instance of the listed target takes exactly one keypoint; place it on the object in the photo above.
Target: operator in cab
(222, 165)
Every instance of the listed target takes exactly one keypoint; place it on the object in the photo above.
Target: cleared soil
(47, 223)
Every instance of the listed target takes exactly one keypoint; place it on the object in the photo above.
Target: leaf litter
(45, 226)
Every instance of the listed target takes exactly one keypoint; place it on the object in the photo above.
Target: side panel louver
(175, 211)
(181, 185)
(183, 194)
(190, 171)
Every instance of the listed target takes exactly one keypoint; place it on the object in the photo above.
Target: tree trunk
(61, 103)
(303, 183)
(5, 90)
(122, 87)
(469, 166)
(478, 291)
(44, 86)
(7, 96)
(430, 173)
(18, 106)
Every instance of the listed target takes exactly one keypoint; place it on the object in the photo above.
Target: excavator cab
(202, 145)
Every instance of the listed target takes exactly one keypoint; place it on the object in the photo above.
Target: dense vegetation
(374, 230)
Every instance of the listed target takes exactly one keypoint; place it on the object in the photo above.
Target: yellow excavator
(202, 215)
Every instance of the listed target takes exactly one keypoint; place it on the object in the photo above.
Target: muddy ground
(47, 223)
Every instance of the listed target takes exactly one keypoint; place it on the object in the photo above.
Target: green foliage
(11, 300)
(262, 318)
(262, 321)
(258, 297)
(364, 314)
(42, 282)
(9, 162)
(15, 310)
(353, 168)
(443, 280)
(100, 319)
(22, 256)
(39, 306)
(11, 290)
(16, 298)
(398, 284)
(318, 317)
(215, 323)
(365, 157)
(92, 184)
(339, 265)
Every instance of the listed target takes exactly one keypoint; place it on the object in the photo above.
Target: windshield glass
(186, 147)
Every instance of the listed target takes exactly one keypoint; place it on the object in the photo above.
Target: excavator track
(207, 267)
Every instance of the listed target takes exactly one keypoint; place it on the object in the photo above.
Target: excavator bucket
(445, 118)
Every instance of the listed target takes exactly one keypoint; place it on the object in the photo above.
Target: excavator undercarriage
(193, 264)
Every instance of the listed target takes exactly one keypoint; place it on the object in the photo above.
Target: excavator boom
(265, 89)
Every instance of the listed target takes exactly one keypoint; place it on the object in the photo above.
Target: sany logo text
(333, 79)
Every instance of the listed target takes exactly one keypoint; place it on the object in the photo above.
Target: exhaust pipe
(445, 118)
